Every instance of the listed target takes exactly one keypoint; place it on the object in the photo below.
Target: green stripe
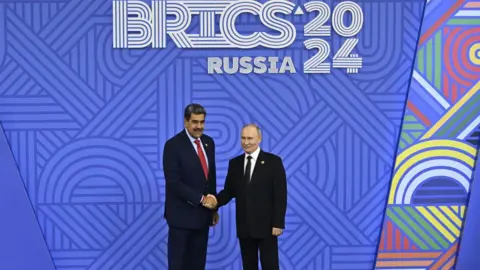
(413, 127)
(459, 115)
(463, 21)
(409, 118)
(429, 61)
(438, 59)
(424, 223)
(407, 138)
(469, 118)
(405, 229)
(421, 60)
(402, 145)
(416, 134)
(416, 228)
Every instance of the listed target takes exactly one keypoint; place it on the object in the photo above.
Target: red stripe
(441, 21)
(397, 239)
(468, 38)
(382, 240)
(449, 57)
(457, 64)
(389, 235)
(454, 92)
(419, 114)
(461, 55)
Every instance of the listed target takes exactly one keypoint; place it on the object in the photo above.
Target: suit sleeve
(171, 169)
(228, 193)
(213, 189)
(279, 195)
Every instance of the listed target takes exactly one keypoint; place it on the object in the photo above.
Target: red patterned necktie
(202, 158)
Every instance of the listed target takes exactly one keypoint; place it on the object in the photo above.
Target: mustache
(198, 129)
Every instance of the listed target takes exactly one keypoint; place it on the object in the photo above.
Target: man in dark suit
(257, 181)
(190, 175)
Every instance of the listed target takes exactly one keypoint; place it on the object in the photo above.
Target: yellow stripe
(452, 111)
(444, 220)
(462, 211)
(452, 216)
(422, 156)
(471, 54)
(436, 224)
(435, 143)
(455, 209)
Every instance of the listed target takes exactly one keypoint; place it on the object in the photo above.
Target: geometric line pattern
(439, 142)
(87, 123)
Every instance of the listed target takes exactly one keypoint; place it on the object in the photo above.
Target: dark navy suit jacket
(186, 183)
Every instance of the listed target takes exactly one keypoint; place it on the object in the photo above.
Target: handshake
(209, 201)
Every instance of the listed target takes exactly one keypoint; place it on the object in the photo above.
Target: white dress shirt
(192, 140)
(254, 156)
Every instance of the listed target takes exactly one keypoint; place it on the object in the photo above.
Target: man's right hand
(209, 201)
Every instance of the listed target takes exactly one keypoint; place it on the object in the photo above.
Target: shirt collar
(254, 154)
(192, 139)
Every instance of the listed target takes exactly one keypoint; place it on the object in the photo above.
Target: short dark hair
(195, 109)
(259, 131)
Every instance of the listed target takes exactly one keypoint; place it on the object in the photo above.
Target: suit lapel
(242, 164)
(257, 170)
(193, 153)
(207, 148)
(241, 170)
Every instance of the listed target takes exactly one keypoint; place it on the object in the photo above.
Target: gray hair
(194, 109)
(259, 131)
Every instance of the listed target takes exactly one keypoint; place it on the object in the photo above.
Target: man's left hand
(209, 201)
(276, 231)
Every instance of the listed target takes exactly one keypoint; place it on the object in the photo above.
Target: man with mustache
(257, 180)
(190, 175)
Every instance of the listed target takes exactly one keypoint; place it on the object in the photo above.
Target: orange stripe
(440, 21)
(445, 256)
(409, 255)
(472, 5)
(403, 263)
(418, 113)
(450, 264)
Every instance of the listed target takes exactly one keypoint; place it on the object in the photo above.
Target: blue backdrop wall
(85, 124)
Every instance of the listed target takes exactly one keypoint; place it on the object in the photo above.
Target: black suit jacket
(186, 183)
(260, 204)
